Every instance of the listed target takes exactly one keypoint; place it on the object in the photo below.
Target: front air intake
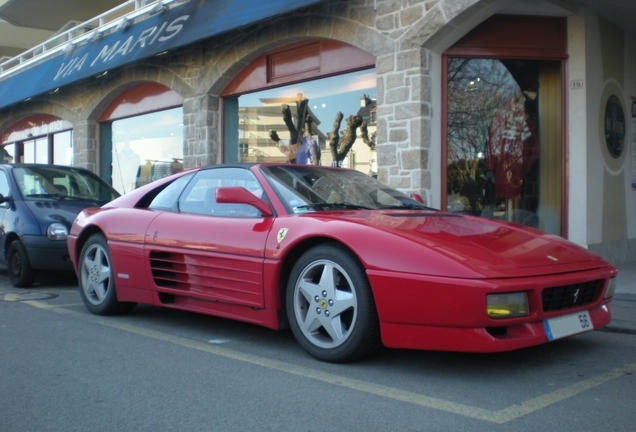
(570, 296)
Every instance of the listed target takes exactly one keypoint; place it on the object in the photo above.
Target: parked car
(345, 261)
(38, 203)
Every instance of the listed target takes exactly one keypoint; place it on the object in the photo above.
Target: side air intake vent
(168, 270)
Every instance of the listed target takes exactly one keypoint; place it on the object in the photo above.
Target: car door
(210, 250)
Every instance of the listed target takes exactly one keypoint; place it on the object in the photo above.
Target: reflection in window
(259, 113)
(4, 188)
(38, 150)
(504, 140)
(63, 148)
(8, 153)
(167, 199)
(146, 148)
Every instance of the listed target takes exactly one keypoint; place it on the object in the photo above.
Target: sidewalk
(623, 306)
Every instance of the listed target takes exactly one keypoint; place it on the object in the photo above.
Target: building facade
(513, 109)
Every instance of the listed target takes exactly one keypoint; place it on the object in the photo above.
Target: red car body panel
(429, 271)
(450, 314)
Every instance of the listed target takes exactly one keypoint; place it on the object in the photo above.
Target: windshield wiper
(332, 206)
(46, 195)
(60, 197)
(408, 207)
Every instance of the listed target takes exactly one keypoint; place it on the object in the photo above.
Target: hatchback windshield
(61, 183)
(311, 188)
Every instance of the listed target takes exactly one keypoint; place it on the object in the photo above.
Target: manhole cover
(28, 296)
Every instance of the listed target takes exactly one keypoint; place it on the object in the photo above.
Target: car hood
(485, 247)
(65, 211)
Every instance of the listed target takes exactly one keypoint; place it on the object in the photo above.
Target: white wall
(630, 97)
(577, 131)
(595, 166)
(602, 208)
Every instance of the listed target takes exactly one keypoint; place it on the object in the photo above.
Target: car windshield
(305, 188)
(62, 183)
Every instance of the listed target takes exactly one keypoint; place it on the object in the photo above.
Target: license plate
(560, 327)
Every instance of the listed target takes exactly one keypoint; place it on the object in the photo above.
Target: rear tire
(96, 279)
(21, 274)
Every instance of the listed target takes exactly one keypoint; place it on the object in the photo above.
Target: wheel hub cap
(94, 274)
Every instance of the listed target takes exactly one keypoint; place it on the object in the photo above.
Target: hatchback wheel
(21, 274)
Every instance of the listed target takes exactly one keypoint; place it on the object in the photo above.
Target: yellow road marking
(494, 416)
(11, 297)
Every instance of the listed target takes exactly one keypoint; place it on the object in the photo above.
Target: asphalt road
(63, 369)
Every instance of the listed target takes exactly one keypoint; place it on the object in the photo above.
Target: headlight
(507, 305)
(57, 231)
(611, 288)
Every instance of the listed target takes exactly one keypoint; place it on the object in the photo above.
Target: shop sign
(33, 127)
(177, 27)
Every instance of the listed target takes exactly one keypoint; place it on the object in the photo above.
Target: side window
(167, 199)
(4, 187)
(199, 196)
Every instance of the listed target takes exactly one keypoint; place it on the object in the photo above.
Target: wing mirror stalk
(4, 199)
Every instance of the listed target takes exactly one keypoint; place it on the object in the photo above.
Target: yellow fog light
(507, 305)
(611, 288)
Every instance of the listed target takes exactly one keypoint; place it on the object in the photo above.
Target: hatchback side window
(4, 186)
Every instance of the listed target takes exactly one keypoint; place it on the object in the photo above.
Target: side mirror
(417, 197)
(240, 195)
(4, 199)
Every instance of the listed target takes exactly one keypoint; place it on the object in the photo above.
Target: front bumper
(46, 254)
(447, 314)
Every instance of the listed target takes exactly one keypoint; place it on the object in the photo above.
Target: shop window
(63, 148)
(288, 106)
(41, 138)
(319, 101)
(146, 148)
(141, 136)
(504, 133)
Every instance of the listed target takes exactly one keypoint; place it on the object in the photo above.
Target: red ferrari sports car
(343, 260)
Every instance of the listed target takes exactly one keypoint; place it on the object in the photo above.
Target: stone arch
(128, 78)
(408, 143)
(446, 23)
(39, 107)
(241, 51)
(86, 137)
(203, 136)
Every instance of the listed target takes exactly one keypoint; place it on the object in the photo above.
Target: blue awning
(179, 26)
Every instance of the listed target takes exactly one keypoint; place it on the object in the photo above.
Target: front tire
(96, 279)
(21, 274)
(330, 305)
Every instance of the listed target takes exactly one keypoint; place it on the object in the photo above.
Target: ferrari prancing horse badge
(281, 234)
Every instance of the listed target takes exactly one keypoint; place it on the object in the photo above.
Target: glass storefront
(41, 138)
(145, 148)
(504, 140)
(63, 148)
(294, 122)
